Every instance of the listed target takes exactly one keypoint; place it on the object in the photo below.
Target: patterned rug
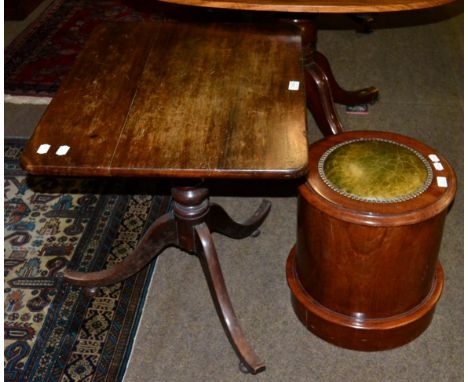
(39, 58)
(52, 331)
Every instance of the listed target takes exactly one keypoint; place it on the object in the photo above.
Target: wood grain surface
(181, 100)
(316, 6)
(365, 275)
(430, 203)
(90, 107)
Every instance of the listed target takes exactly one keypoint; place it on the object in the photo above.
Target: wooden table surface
(315, 6)
(180, 100)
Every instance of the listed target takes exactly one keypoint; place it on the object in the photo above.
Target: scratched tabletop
(179, 100)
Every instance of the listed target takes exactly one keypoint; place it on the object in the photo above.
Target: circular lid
(375, 170)
(377, 178)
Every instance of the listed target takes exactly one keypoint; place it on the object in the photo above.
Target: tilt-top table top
(184, 100)
(315, 6)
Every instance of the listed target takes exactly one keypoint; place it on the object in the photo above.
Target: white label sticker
(293, 85)
(434, 158)
(438, 166)
(442, 181)
(43, 148)
(62, 150)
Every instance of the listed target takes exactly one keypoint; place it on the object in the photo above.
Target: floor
(416, 60)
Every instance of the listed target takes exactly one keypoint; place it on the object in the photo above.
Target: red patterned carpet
(38, 59)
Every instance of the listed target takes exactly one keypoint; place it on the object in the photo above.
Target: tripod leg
(218, 220)
(211, 267)
(161, 234)
(320, 100)
(340, 95)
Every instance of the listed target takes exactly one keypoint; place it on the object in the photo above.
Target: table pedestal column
(322, 89)
(189, 227)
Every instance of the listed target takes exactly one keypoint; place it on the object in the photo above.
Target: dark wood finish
(316, 6)
(340, 95)
(432, 202)
(363, 22)
(196, 100)
(181, 100)
(364, 275)
(159, 236)
(322, 89)
(20, 9)
(361, 334)
(214, 277)
(189, 228)
(90, 108)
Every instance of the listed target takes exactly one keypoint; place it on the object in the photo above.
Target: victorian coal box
(364, 273)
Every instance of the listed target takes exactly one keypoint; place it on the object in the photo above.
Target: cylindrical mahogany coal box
(364, 273)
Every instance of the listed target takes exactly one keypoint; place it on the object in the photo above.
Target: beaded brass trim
(411, 195)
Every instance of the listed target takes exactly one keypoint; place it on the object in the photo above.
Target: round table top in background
(315, 6)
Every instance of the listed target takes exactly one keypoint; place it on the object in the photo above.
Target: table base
(322, 89)
(189, 228)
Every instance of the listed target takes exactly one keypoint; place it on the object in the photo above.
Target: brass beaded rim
(397, 199)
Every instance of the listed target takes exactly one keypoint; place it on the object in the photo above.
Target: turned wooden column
(142, 121)
(322, 89)
(189, 227)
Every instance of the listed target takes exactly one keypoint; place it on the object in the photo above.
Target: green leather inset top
(375, 170)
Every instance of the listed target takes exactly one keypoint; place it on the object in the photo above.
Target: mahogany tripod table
(322, 89)
(187, 101)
